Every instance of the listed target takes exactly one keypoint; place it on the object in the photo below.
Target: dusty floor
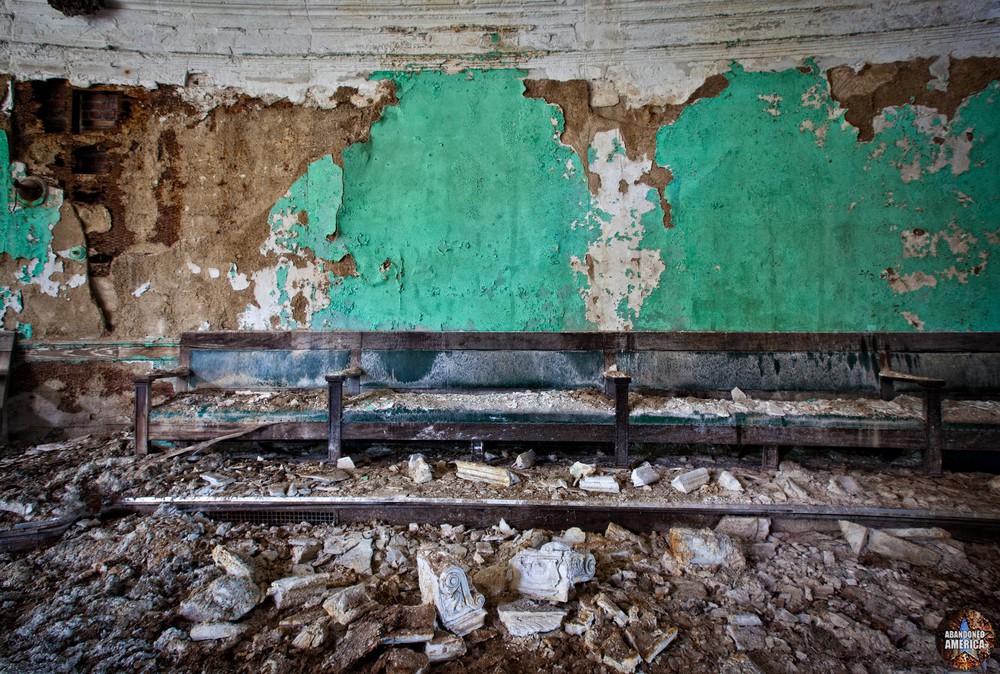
(108, 595)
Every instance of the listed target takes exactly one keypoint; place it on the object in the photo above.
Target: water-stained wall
(507, 189)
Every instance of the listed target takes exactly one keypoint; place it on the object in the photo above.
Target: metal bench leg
(143, 401)
(932, 416)
(621, 420)
(770, 457)
(335, 412)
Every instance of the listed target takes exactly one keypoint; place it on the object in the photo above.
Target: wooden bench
(480, 387)
(782, 372)
(6, 348)
(378, 387)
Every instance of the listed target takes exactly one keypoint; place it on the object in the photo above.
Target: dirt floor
(156, 593)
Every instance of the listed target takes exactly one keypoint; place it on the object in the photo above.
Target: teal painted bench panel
(218, 368)
(778, 371)
(473, 369)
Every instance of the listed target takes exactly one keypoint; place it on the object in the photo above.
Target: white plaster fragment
(195, 269)
(237, 280)
(213, 272)
(141, 290)
(76, 280)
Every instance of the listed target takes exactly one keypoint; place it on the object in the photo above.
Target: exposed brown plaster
(184, 186)
(65, 383)
(343, 267)
(878, 86)
(638, 126)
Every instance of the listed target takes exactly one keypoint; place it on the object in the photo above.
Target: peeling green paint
(25, 232)
(783, 221)
(458, 213)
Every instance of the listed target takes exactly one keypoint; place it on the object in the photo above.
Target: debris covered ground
(176, 592)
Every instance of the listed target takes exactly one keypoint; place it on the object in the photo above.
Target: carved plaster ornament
(444, 583)
(550, 572)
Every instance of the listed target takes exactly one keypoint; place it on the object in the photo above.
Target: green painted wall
(783, 221)
(464, 211)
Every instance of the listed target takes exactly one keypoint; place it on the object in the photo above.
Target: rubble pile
(177, 592)
(174, 592)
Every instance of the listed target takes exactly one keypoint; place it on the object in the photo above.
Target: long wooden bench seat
(803, 389)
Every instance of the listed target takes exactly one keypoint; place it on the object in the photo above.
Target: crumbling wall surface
(580, 166)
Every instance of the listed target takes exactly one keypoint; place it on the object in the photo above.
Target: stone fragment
(233, 563)
(525, 617)
(616, 653)
(311, 636)
(572, 536)
(306, 551)
(792, 489)
(418, 470)
(303, 618)
(747, 638)
(748, 528)
(401, 661)
(606, 484)
(345, 463)
(688, 482)
(611, 609)
(645, 475)
(843, 485)
(581, 470)
(739, 396)
(361, 639)
(492, 580)
(277, 490)
(551, 572)
(405, 624)
(920, 534)
(581, 623)
(994, 483)
(444, 585)
(728, 481)
(855, 534)
(525, 460)
(216, 631)
(216, 480)
(226, 598)
(740, 664)
(298, 590)
(705, 548)
(648, 640)
(445, 646)
(358, 558)
(891, 547)
(480, 472)
(347, 604)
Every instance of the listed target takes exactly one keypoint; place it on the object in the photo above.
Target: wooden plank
(485, 341)
(833, 437)
(200, 430)
(7, 340)
(236, 340)
(971, 440)
(751, 341)
(943, 342)
(596, 433)
(683, 433)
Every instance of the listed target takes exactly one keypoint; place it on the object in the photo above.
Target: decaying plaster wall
(566, 173)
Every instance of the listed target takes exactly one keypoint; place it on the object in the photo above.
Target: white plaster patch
(912, 319)
(774, 109)
(76, 280)
(213, 272)
(10, 299)
(950, 148)
(195, 269)
(237, 280)
(621, 275)
(281, 230)
(141, 290)
(273, 306)
(906, 283)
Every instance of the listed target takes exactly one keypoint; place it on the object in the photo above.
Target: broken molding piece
(705, 548)
(525, 460)
(602, 483)
(551, 572)
(232, 563)
(348, 604)
(727, 480)
(418, 470)
(444, 584)
(297, 590)
(581, 470)
(216, 631)
(444, 647)
(345, 463)
(645, 475)
(479, 472)
(690, 481)
(525, 617)
(748, 528)
(650, 643)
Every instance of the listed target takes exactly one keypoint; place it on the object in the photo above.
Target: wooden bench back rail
(768, 363)
(6, 348)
